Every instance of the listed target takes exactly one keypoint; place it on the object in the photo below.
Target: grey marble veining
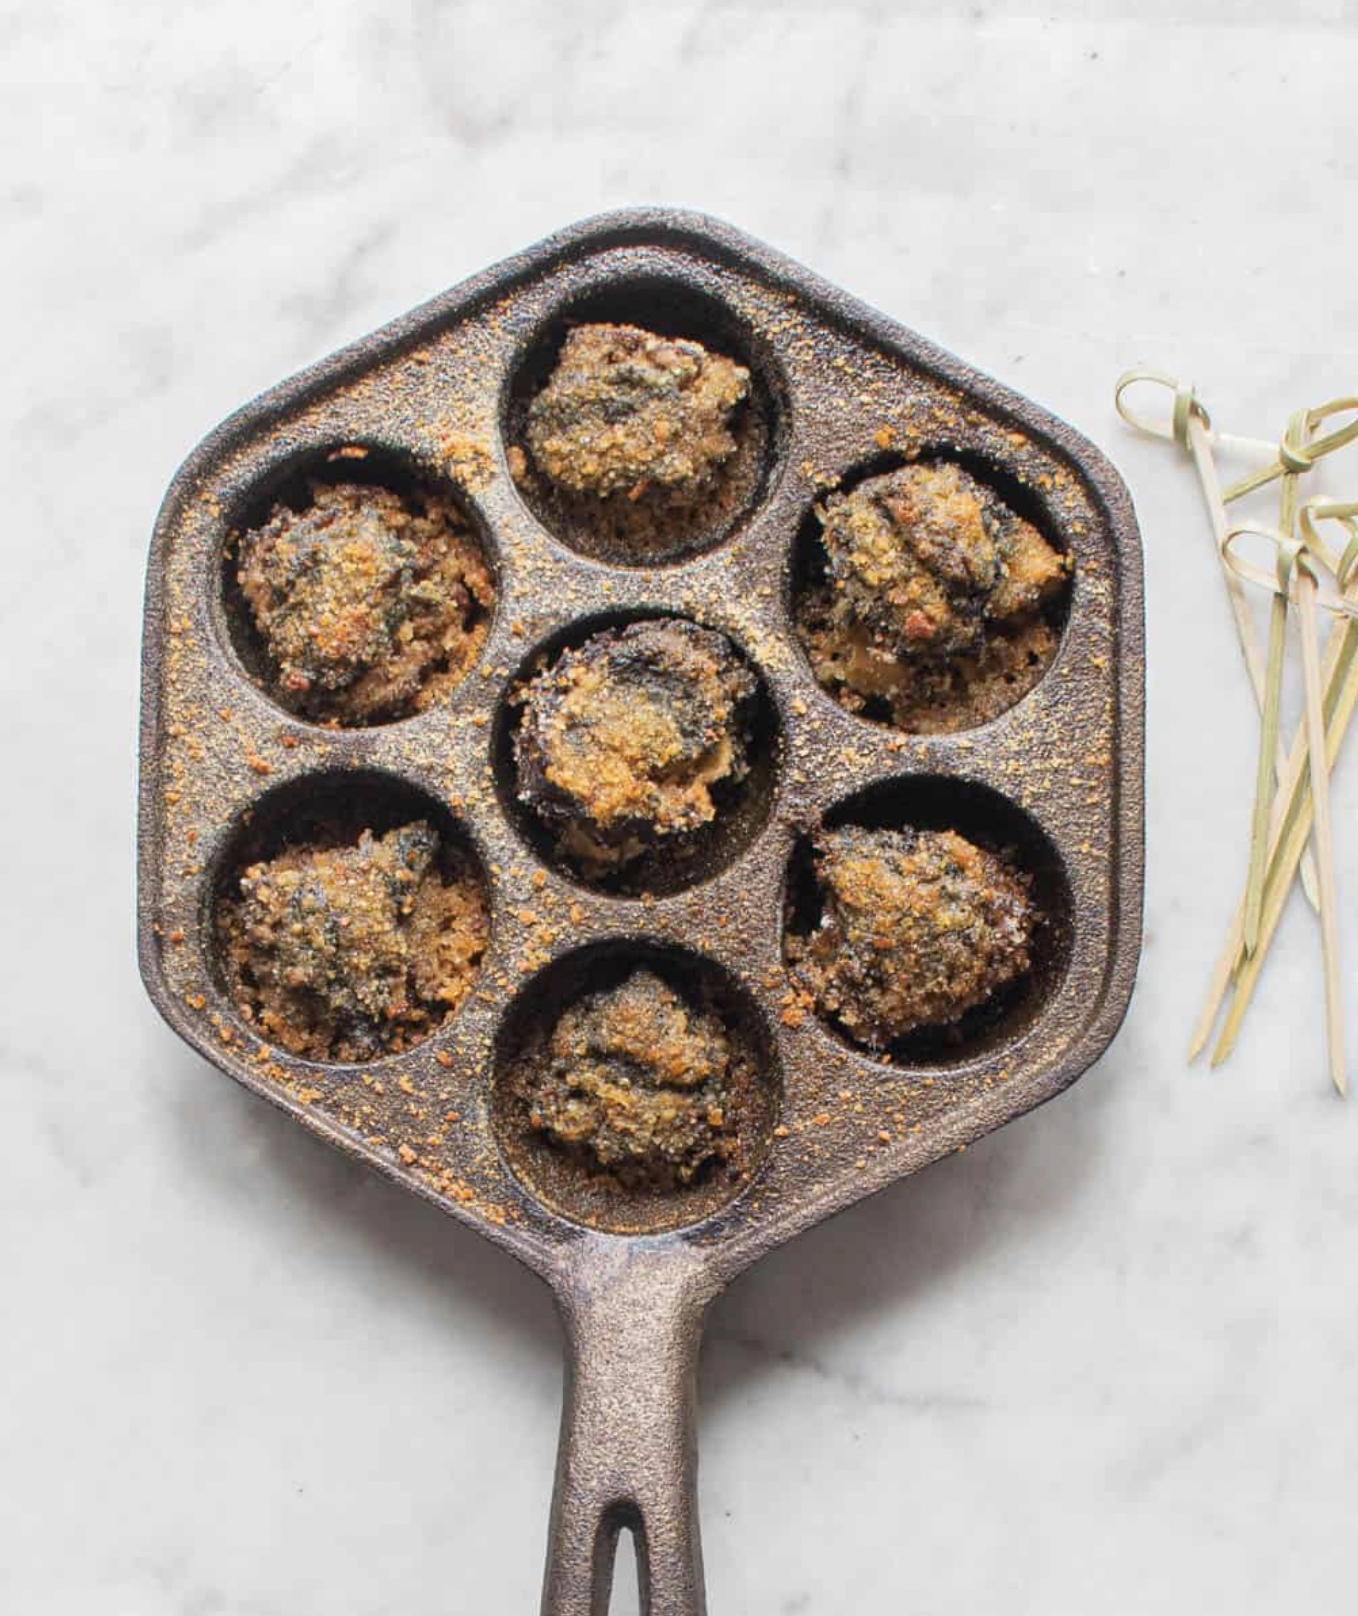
(1100, 1362)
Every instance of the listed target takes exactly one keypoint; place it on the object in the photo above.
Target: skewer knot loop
(1187, 406)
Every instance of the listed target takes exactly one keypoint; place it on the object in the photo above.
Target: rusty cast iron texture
(1060, 775)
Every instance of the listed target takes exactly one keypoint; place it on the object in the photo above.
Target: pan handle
(628, 1457)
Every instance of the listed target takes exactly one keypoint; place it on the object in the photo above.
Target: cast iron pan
(1057, 780)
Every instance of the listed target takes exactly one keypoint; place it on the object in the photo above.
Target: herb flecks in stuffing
(635, 1079)
(629, 740)
(625, 410)
(369, 605)
(351, 952)
(932, 612)
(916, 928)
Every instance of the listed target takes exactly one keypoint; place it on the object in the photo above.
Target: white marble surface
(1102, 1362)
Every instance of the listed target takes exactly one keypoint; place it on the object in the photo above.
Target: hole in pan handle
(628, 1458)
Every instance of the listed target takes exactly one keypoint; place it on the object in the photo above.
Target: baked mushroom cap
(367, 604)
(912, 559)
(932, 611)
(626, 410)
(628, 740)
(347, 952)
(916, 928)
(635, 1078)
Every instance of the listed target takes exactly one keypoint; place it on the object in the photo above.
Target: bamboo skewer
(1191, 429)
(1292, 798)
(1268, 751)
(1261, 680)
(1292, 821)
(1295, 572)
(1284, 820)
(1320, 800)
(1289, 458)
(1340, 650)
(1275, 895)
(1295, 448)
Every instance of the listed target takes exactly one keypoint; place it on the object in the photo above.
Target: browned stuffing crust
(932, 610)
(347, 953)
(625, 409)
(643, 445)
(369, 605)
(634, 1080)
(916, 928)
(627, 741)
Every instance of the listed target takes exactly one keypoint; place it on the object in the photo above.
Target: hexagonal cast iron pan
(1058, 777)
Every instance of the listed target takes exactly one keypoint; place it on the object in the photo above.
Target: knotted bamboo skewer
(1283, 822)
(1293, 818)
(1191, 428)
(1295, 574)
